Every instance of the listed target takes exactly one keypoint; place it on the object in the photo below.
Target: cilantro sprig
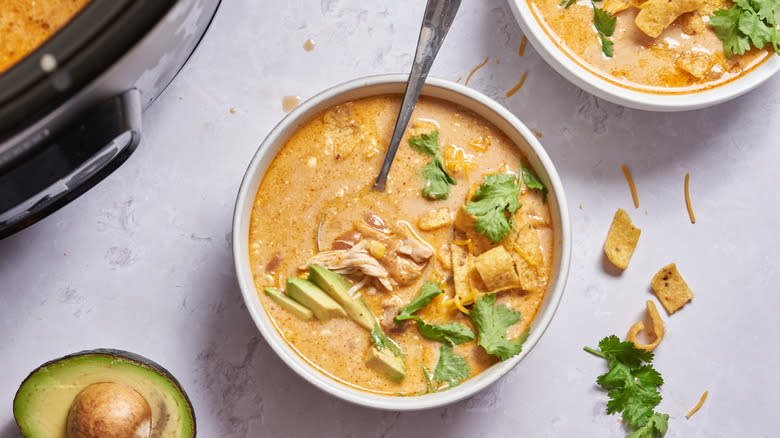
(603, 22)
(492, 323)
(632, 384)
(532, 181)
(451, 368)
(605, 26)
(437, 180)
(450, 333)
(493, 205)
(747, 22)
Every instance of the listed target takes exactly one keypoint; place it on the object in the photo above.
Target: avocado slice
(336, 286)
(387, 363)
(291, 306)
(45, 397)
(311, 296)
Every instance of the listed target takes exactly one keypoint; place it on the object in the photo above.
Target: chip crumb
(232, 110)
(622, 239)
(631, 185)
(671, 289)
(698, 405)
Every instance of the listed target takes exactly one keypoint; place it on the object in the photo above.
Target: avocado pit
(109, 410)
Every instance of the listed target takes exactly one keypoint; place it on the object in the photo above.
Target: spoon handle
(439, 15)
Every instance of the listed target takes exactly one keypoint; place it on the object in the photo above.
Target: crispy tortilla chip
(435, 219)
(614, 6)
(692, 23)
(527, 244)
(671, 289)
(496, 269)
(657, 15)
(697, 63)
(621, 239)
(460, 272)
(444, 256)
(658, 329)
(530, 280)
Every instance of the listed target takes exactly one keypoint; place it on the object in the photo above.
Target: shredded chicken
(419, 254)
(352, 261)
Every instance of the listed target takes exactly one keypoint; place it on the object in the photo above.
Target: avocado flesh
(336, 286)
(43, 400)
(291, 306)
(385, 362)
(311, 296)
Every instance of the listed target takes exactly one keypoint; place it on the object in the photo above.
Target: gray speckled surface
(143, 261)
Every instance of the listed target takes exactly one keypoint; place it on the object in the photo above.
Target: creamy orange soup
(26, 24)
(315, 198)
(640, 62)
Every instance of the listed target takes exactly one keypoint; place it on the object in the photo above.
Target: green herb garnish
(450, 333)
(632, 384)
(451, 368)
(381, 341)
(437, 180)
(605, 26)
(567, 3)
(493, 205)
(747, 22)
(427, 293)
(532, 181)
(492, 323)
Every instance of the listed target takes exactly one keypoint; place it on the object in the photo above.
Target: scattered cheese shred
(518, 86)
(537, 133)
(631, 185)
(522, 46)
(698, 405)
(468, 78)
(688, 198)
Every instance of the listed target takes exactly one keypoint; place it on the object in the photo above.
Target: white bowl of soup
(677, 65)
(399, 300)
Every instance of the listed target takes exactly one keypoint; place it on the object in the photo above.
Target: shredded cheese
(631, 185)
(688, 198)
(518, 86)
(698, 405)
(522, 46)
(468, 78)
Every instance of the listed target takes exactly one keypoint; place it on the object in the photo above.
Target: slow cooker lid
(84, 48)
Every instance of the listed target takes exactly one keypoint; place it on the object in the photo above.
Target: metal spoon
(439, 15)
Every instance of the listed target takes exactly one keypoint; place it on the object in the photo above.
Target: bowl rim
(245, 200)
(643, 100)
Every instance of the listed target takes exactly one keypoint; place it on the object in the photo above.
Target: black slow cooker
(70, 112)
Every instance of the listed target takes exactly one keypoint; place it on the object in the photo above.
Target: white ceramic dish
(394, 84)
(594, 84)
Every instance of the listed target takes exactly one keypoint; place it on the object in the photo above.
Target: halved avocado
(44, 399)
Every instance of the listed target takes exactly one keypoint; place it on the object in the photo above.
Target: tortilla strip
(658, 328)
(497, 269)
(614, 6)
(657, 15)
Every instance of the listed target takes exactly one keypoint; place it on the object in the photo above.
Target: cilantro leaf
(381, 341)
(605, 26)
(437, 180)
(567, 3)
(768, 10)
(493, 205)
(450, 333)
(604, 23)
(492, 323)
(532, 181)
(427, 293)
(759, 32)
(655, 428)
(632, 384)
(451, 368)
(431, 385)
(427, 144)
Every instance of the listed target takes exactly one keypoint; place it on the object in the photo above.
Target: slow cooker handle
(116, 123)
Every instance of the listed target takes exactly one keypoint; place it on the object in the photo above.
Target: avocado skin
(336, 286)
(125, 355)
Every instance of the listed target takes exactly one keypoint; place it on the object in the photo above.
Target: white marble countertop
(143, 263)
